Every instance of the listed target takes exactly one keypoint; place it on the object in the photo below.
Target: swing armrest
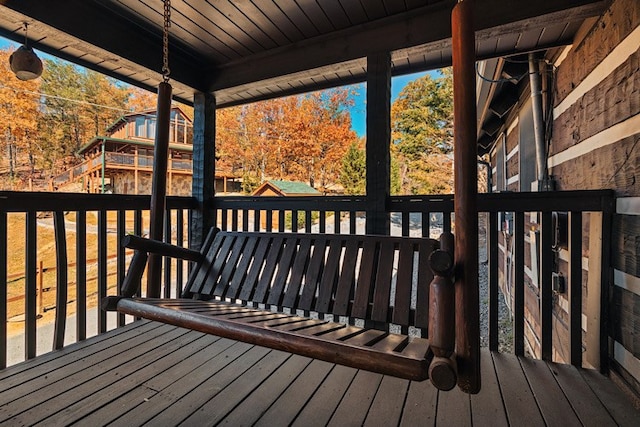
(160, 248)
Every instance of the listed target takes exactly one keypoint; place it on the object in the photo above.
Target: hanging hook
(165, 41)
(26, 32)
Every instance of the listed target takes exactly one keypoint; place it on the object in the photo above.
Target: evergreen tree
(422, 135)
(353, 173)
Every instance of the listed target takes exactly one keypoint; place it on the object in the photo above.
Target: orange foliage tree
(19, 110)
(302, 138)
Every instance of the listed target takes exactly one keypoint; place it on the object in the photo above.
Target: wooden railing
(504, 218)
(100, 222)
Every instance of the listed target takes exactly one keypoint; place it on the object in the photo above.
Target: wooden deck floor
(163, 375)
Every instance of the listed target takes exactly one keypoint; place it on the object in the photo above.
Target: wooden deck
(162, 375)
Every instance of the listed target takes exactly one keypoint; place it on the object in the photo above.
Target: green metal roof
(293, 187)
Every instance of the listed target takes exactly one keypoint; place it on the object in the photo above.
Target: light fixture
(24, 62)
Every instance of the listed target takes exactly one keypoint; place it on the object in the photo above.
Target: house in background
(121, 162)
(285, 188)
(275, 188)
(568, 118)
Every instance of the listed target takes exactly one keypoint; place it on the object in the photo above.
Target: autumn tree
(79, 105)
(422, 134)
(300, 138)
(19, 110)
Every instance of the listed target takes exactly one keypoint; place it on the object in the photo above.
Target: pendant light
(24, 62)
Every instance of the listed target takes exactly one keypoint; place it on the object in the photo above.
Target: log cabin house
(121, 161)
(575, 359)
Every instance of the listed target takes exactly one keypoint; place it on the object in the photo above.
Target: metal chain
(165, 41)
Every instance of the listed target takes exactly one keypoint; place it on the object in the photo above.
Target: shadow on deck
(151, 373)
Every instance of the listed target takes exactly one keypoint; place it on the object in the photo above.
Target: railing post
(518, 285)
(204, 127)
(30, 291)
(466, 195)
(546, 290)
(575, 288)
(3, 289)
(492, 235)
(378, 157)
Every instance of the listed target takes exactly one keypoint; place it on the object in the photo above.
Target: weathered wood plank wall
(595, 145)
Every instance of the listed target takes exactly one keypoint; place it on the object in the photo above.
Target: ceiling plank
(104, 28)
(419, 27)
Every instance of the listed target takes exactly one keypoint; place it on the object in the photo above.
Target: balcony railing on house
(115, 215)
(118, 161)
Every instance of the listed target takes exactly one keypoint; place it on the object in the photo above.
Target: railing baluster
(518, 286)
(120, 256)
(102, 268)
(307, 221)
(257, 214)
(446, 222)
(281, 221)
(224, 219)
(336, 222)
(245, 220)
(269, 224)
(3, 289)
(30, 282)
(61, 280)
(81, 275)
(234, 219)
(546, 293)
(323, 222)
(405, 223)
(167, 260)
(606, 276)
(294, 220)
(575, 288)
(426, 224)
(492, 237)
(180, 242)
(352, 222)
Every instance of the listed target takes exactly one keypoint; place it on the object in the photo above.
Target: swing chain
(165, 41)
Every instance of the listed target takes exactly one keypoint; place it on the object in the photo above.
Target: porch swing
(331, 297)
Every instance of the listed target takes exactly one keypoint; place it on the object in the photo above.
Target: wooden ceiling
(247, 50)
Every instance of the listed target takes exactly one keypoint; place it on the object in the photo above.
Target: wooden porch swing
(333, 297)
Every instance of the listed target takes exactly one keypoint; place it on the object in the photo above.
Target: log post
(465, 199)
(442, 370)
(159, 185)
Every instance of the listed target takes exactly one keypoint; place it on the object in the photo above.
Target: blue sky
(358, 111)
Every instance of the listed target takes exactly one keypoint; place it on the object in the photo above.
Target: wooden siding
(625, 320)
(615, 99)
(594, 146)
(626, 244)
(612, 27)
(158, 374)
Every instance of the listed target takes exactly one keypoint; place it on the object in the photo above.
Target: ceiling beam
(424, 26)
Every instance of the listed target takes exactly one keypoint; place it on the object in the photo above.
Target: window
(141, 130)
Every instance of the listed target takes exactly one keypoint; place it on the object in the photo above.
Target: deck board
(147, 373)
(517, 397)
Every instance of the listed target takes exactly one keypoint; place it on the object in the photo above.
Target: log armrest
(142, 248)
(142, 244)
